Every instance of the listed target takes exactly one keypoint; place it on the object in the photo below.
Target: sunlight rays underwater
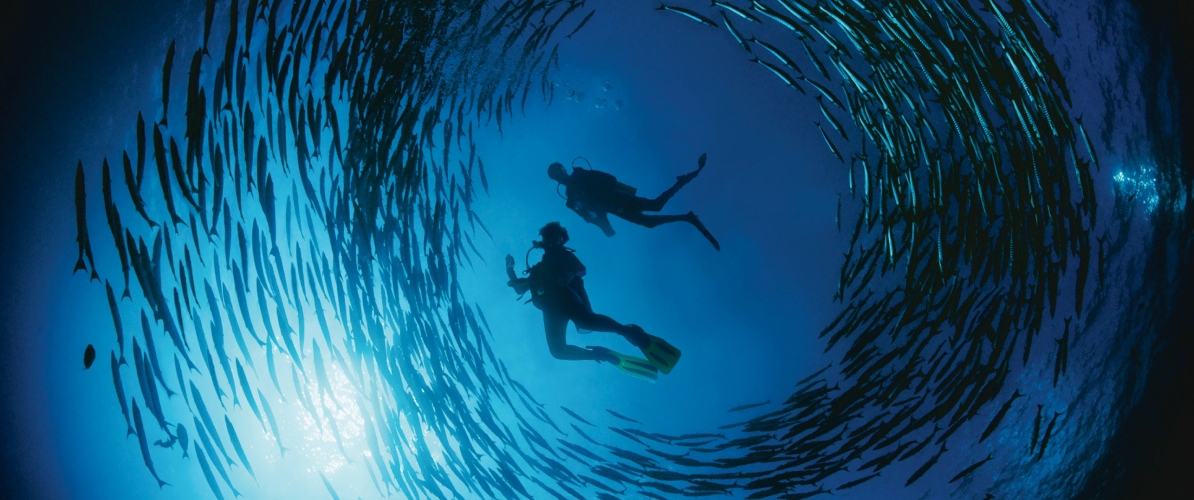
(282, 248)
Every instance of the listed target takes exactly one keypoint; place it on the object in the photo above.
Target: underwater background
(281, 227)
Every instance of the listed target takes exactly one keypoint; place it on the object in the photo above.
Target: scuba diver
(557, 288)
(592, 194)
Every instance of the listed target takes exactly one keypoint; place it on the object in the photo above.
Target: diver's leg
(598, 322)
(657, 204)
(555, 324)
(584, 317)
(603, 323)
(650, 221)
(696, 222)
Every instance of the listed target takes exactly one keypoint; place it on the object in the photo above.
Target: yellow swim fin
(631, 365)
(661, 354)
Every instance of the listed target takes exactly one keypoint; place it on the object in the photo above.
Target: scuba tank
(617, 186)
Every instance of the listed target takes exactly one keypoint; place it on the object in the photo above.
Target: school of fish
(976, 207)
(324, 166)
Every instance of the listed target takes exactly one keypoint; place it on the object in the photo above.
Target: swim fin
(661, 354)
(630, 365)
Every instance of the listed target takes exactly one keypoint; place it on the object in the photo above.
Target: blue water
(659, 90)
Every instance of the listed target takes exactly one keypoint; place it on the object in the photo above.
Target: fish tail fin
(284, 450)
(94, 275)
(661, 6)
(126, 294)
(122, 361)
(80, 266)
(162, 483)
(130, 431)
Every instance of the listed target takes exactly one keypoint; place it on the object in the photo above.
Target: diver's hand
(519, 285)
(510, 266)
(510, 269)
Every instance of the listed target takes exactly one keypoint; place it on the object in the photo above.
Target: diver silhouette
(557, 288)
(592, 194)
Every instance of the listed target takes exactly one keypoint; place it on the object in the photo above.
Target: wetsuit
(557, 288)
(592, 194)
(557, 282)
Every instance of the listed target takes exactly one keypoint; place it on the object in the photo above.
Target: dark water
(428, 379)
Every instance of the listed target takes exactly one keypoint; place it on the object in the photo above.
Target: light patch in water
(318, 439)
(1139, 184)
(434, 445)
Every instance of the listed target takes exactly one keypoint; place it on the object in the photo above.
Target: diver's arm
(591, 216)
(510, 267)
(520, 285)
(602, 221)
(598, 219)
(582, 212)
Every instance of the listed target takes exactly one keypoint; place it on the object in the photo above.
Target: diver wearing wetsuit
(557, 288)
(592, 194)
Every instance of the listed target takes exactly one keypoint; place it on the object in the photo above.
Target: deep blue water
(658, 90)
